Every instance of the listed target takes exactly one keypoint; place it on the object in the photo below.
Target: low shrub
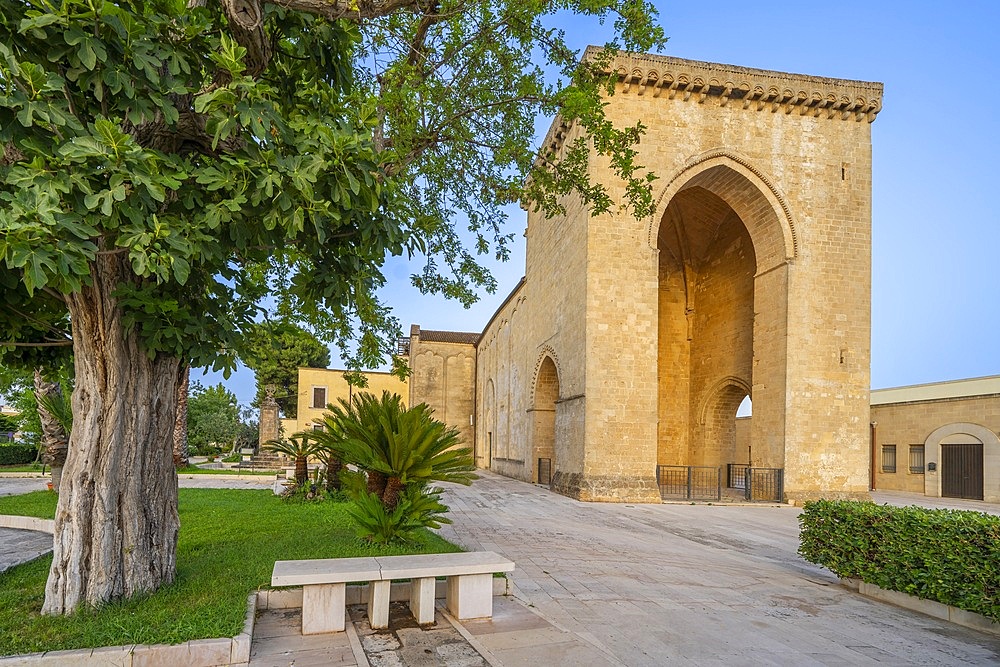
(16, 453)
(418, 508)
(948, 556)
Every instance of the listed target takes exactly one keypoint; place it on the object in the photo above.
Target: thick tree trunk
(55, 439)
(181, 423)
(116, 522)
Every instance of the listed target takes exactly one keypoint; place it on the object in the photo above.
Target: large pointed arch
(750, 193)
(544, 405)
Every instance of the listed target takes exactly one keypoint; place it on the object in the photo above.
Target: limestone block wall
(621, 361)
(443, 375)
(501, 436)
(543, 318)
(791, 155)
(929, 423)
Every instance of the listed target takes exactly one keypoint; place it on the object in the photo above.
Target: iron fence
(736, 475)
(689, 482)
(764, 484)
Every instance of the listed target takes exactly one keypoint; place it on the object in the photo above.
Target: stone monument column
(268, 416)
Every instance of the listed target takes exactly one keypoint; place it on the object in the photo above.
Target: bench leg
(470, 596)
(323, 608)
(378, 604)
(422, 600)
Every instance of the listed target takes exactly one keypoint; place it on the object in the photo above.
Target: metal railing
(689, 482)
(764, 484)
(736, 475)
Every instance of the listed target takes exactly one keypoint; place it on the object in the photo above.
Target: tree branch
(246, 22)
(418, 48)
(58, 343)
(348, 10)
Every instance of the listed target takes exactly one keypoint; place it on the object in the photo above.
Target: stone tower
(630, 343)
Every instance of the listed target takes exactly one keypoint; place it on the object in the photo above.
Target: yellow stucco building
(320, 386)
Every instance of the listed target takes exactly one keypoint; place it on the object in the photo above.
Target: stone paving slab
(279, 642)
(692, 584)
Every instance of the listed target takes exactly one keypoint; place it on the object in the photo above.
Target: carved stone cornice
(753, 89)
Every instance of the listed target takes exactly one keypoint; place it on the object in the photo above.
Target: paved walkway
(691, 584)
(13, 486)
(601, 584)
(19, 546)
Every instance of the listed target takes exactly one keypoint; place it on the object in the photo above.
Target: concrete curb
(203, 652)
(944, 612)
(195, 653)
(27, 523)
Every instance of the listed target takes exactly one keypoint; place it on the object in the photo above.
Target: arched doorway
(707, 290)
(543, 410)
(485, 455)
(716, 427)
(961, 452)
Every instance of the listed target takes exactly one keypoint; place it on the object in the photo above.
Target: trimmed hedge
(950, 556)
(17, 453)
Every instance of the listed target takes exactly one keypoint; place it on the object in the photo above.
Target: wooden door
(962, 471)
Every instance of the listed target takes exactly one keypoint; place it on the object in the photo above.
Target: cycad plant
(401, 451)
(300, 448)
(328, 445)
(399, 447)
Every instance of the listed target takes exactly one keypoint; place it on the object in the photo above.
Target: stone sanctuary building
(630, 343)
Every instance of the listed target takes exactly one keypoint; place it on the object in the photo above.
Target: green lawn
(196, 470)
(228, 543)
(27, 467)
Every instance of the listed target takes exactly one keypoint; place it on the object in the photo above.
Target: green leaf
(181, 269)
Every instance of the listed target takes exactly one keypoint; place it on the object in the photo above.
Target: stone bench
(469, 585)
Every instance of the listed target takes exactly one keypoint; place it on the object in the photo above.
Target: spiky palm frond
(300, 447)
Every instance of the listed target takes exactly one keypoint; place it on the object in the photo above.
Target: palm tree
(299, 447)
(55, 412)
(328, 450)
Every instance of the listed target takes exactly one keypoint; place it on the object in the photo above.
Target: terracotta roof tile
(449, 337)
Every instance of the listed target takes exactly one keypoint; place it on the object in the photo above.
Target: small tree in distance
(275, 351)
(299, 447)
(214, 419)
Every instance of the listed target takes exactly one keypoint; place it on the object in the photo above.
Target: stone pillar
(269, 416)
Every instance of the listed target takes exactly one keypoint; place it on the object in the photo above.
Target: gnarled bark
(116, 522)
(181, 422)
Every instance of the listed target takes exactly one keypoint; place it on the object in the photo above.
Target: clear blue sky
(935, 309)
